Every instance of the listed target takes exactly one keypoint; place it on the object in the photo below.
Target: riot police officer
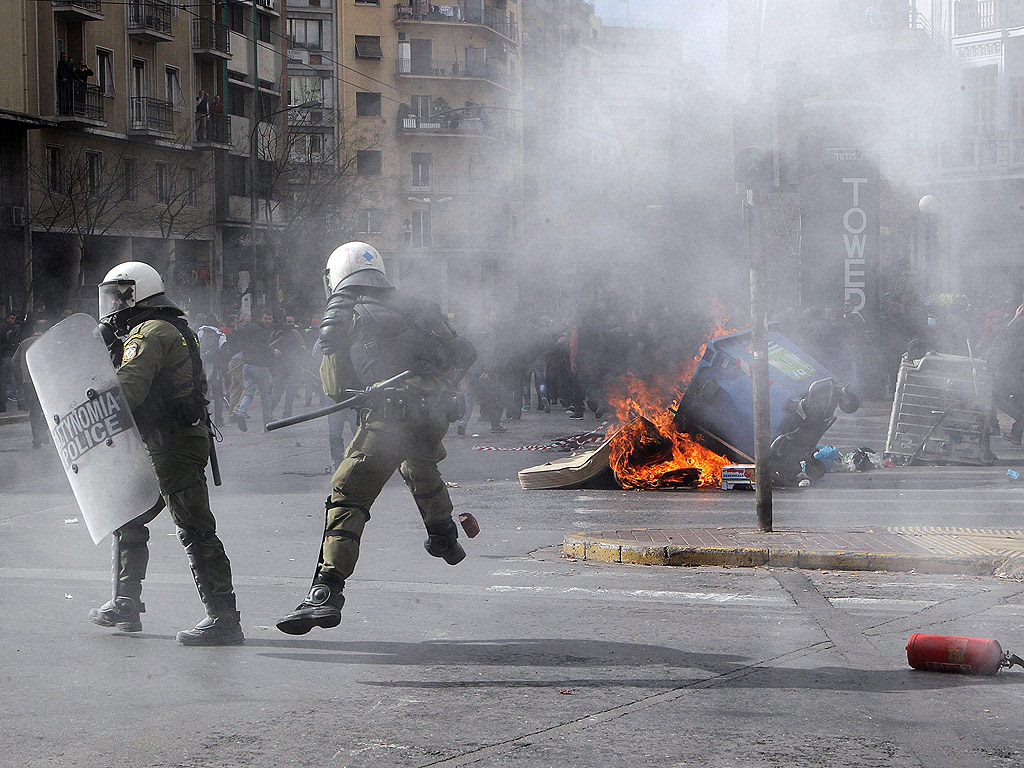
(369, 333)
(161, 372)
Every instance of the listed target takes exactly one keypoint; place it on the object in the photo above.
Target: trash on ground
(71, 521)
(961, 655)
(738, 476)
(1012, 474)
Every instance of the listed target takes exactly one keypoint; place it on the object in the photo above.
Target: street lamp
(254, 177)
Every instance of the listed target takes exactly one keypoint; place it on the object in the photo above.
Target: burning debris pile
(649, 451)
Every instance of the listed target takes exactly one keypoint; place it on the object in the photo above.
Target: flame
(649, 452)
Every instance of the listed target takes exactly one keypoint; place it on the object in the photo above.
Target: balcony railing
(149, 16)
(80, 100)
(493, 18)
(456, 185)
(454, 69)
(152, 115)
(210, 35)
(448, 126)
(213, 129)
(972, 16)
(85, 8)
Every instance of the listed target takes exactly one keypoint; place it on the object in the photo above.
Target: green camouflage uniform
(156, 368)
(411, 444)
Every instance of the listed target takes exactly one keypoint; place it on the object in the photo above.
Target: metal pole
(759, 368)
(253, 159)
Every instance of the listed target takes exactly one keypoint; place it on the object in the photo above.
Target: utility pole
(754, 143)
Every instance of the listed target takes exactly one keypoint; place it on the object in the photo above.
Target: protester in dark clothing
(10, 335)
(253, 341)
(288, 341)
(1008, 381)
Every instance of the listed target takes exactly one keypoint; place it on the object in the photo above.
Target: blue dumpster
(719, 402)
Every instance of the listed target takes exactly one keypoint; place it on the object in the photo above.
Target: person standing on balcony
(81, 75)
(202, 115)
(65, 82)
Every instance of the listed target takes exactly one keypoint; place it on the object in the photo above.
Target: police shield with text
(161, 373)
(370, 333)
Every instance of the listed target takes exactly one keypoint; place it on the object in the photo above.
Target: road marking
(648, 594)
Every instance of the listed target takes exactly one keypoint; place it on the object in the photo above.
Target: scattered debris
(450, 484)
(566, 691)
(68, 597)
(71, 521)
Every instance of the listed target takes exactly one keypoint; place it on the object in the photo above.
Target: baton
(214, 463)
(348, 403)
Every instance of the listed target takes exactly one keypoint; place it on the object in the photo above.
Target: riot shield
(91, 426)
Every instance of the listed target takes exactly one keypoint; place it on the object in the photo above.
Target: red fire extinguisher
(965, 655)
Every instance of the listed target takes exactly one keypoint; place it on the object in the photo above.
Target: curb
(582, 547)
(13, 418)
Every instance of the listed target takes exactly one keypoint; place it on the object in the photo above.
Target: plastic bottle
(1013, 475)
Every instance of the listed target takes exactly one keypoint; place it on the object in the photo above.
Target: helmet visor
(116, 296)
(327, 283)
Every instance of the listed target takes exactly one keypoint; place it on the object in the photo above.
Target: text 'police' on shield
(90, 424)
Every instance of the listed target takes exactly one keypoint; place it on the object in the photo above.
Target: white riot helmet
(128, 284)
(354, 264)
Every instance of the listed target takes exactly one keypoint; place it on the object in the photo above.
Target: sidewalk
(976, 552)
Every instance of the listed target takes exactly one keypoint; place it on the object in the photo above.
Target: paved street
(518, 656)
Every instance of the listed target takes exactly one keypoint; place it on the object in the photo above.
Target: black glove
(105, 333)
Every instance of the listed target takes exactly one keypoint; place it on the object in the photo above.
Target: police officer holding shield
(370, 333)
(162, 376)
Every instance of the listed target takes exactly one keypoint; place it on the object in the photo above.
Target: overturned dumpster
(719, 402)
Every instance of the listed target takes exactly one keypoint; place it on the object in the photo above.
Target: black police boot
(222, 625)
(120, 612)
(321, 608)
(443, 541)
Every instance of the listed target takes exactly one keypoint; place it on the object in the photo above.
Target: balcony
(455, 124)
(454, 70)
(150, 20)
(456, 185)
(78, 10)
(151, 117)
(971, 16)
(493, 19)
(210, 39)
(981, 155)
(213, 131)
(80, 103)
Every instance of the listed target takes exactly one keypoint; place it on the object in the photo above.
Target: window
(192, 178)
(264, 29)
(1017, 106)
(236, 18)
(421, 106)
(421, 170)
(237, 100)
(364, 2)
(368, 104)
(368, 220)
(305, 89)
(163, 182)
(981, 99)
(94, 171)
(306, 33)
(172, 86)
(368, 162)
(140, 81)
(105, 71)
(55, 169)
(307, 147)
(368, 47)
(237, 175)
(421, 229)
(130, 179)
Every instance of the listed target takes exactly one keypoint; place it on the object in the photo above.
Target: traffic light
(753, 146)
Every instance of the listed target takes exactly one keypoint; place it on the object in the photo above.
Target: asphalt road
(518, 656)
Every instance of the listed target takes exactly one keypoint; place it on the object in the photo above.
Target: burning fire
(649, 452)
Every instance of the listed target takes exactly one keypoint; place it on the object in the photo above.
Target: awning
(368, 47)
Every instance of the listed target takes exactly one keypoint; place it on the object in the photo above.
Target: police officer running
(371, 332)
(162, 376)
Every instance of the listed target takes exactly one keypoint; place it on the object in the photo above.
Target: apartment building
(430, 99)
(978, 234)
